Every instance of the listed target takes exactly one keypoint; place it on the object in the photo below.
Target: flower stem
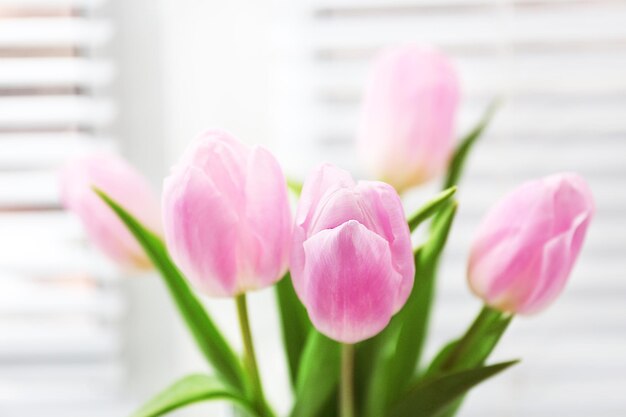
(249, 358)
(346, 402)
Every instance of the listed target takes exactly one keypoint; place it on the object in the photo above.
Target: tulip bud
(351, 260)
(125, 185)
(226, 216)
(527, 243)
(407, 121)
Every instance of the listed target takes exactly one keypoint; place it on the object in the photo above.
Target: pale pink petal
(351, 284)
(561, 252)
(267, 234)
(527, 244)
(336, 207)
(201, 231)
(320, 187)
(297, 260)
(351, 260)
(407, 122)
(384, 214)
(123, 184)
(223, 159)
(324, 180)
(227, 215)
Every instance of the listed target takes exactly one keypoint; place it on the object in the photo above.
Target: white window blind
(560, 64)
(60, 304)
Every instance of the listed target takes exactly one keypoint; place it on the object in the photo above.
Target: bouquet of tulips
(354, 293)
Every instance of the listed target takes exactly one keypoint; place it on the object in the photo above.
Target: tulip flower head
(226, 216)
(124, 184)
(527, 244)
(351, 260)
(406, 129)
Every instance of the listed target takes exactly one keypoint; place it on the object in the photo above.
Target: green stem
(346, 402)
(249, 358)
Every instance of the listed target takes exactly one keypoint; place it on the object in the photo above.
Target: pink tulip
(351, 260)
(528, 243)
(125, 185)
(226, 216)
(407, 121)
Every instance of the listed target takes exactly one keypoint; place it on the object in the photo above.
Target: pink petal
(223, 159)
(351, 284)
(527, 244)
(125, 185)
(375, 205)
(320, 187)
(324, 180)
(228, 216)
(384, 214)
(267, 234)
(407, 121)
(201, 231)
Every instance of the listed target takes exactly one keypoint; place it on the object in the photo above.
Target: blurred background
(143, 77)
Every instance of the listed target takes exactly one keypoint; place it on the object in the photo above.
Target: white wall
(217, 69)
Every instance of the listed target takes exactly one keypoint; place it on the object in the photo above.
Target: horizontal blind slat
(32, 151)
(52, 32)
(54, 111)
(45, 72)
(45, 4)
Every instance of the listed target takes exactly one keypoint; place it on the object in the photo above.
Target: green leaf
(318, 376)
(189, 390)
(431, 208)
(416, 314)
(431, 396)
(400, 345)
(453, 408)
(471, 350)
(437, 364)
(457, 163)
(206, 334)
(295, 324)
(475, 346)
(372, 372)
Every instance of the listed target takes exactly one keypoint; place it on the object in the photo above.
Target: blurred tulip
(351, 260)
(406, 129)
(226, 216)
(528, 243)
(124, 184)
